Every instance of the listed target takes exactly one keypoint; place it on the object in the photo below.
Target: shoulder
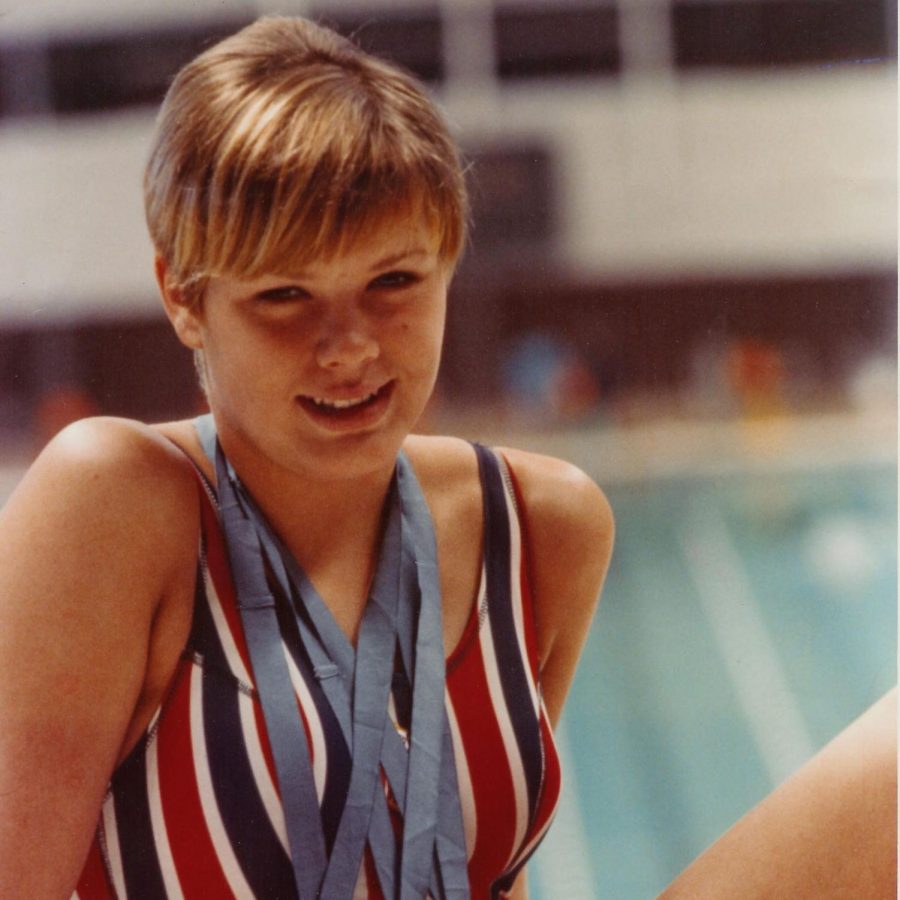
(108, 478)
(111, 455)
(565, 511)
(95, 555)
(568, 533)
(564, 508)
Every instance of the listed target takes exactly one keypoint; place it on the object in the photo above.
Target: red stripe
(220, 573)
(373, 887)
(193, 851)
(93, 883)
(485, 752)
(525, 579)
(489, 772)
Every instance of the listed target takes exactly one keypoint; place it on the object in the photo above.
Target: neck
(320, 520)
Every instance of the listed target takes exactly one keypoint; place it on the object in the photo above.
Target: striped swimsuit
(194, 812)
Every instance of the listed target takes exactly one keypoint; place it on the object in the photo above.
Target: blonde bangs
(260, 221)
(273, 173)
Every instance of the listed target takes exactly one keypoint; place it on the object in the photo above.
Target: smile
(343, 404)
(348, 413)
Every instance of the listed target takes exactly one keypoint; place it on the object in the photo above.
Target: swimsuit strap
(403, 613)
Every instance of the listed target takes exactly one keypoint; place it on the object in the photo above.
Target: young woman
(290, 649)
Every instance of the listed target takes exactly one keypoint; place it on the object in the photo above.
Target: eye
(393, 280)
(283, 294)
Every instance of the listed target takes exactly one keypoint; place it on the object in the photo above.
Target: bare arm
(829, 831)
(83, 565)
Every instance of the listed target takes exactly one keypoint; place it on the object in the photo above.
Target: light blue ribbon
(403, 611)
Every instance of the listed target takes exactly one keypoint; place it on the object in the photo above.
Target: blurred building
(655, 183)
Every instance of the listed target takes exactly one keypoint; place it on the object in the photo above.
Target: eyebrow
(393, 258)
(410, 253)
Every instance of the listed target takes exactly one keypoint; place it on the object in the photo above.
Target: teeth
(342, 404)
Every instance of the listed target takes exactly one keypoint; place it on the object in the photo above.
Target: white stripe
(224, 632)
(510, 744)
(728, 600)
(563, 868)
(316, 735)
(464, 780)
(224, 852)
(158, 824)
(261, 776)
(113, 851)
(515, 589)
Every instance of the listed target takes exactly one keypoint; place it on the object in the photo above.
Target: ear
(186, 318)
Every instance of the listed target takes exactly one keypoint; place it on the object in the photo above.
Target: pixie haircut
(284, 143)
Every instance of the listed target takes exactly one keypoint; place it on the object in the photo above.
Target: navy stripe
(505, 882)
(140, 864)
(203, 638)
(514, 672)
(262, 858)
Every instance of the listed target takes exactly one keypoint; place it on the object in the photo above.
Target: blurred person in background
(289, 649)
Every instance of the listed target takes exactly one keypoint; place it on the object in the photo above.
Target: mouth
(348, 412)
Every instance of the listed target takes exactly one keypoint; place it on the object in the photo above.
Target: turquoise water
(745, 622)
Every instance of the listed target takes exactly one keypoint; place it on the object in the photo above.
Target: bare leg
(829, 831)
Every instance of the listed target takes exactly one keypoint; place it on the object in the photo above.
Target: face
(326, 371)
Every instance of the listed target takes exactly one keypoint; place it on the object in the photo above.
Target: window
(747, 33)
(88, 74)
(512, 194)
(409, 38)
(570, 40)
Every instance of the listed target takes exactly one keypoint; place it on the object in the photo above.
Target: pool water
(745, 621)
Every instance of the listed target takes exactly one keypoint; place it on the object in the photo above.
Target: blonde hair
(285, 142)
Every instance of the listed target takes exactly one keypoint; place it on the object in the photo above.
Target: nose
(346, 341)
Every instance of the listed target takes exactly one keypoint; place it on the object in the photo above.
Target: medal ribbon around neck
(403, 611)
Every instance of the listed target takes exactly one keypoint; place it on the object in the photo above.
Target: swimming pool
(747, 618)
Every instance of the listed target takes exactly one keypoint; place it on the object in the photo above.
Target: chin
(353, 456)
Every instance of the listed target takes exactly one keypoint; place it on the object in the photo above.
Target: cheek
(429, 324)
(239, 368)
(420, 340)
